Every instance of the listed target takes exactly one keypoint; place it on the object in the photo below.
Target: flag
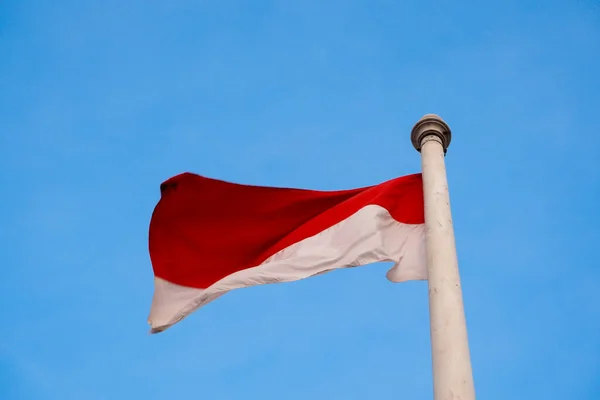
(208, 237)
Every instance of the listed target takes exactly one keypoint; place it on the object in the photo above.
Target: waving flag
(208, 237)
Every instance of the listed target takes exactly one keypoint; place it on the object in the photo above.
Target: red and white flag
(208, 237)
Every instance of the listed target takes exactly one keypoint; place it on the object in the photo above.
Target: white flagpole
(452, 375)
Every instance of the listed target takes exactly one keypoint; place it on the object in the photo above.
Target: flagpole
(452, 375)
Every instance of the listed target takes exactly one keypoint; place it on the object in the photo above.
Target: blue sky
(100, 101)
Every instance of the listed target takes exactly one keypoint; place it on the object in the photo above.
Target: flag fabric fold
(208, 237)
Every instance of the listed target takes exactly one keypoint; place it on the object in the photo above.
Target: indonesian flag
(208, 237)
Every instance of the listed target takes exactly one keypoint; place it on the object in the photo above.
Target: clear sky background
(101, 101)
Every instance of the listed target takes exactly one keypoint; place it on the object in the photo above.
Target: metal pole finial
(431, 124)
